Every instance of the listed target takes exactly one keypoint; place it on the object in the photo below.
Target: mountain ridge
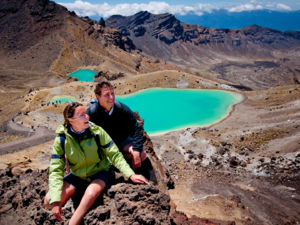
(198, 47)
(187, 32)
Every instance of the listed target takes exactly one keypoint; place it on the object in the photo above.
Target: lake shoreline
(239, 98)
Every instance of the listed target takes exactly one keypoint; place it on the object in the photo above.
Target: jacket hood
(60, 129)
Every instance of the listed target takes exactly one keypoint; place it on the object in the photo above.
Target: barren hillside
(42, 42)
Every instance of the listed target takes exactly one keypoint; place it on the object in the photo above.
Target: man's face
(107, 98)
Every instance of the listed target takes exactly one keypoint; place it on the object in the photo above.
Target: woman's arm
(56, 172)
(115, 156)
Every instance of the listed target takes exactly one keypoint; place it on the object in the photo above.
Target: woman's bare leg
(67, 191)
(92, 192)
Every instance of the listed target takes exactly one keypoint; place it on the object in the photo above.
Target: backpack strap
(62, 144)
(99, 146)
(62, 140)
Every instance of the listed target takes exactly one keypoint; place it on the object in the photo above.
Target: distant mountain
(202, 48)
(151, 32)
(235, 20)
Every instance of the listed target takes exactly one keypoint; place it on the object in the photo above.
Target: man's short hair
(103, 84)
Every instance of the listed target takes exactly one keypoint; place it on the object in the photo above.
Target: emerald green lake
(165, 110)
(84, 75)
(62, 98)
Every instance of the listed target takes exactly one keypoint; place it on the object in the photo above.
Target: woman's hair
(69, 112)
(99, 86)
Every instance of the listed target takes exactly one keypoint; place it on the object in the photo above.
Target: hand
(56, 210)
(136, 158)
(138, 179)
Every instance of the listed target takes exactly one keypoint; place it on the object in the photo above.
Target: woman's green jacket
(83, 158)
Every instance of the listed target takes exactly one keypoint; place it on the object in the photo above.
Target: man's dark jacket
(119, 125)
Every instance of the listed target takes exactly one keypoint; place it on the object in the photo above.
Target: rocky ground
(122, 200)
(23, 189)
(21, 202)
(242, 170)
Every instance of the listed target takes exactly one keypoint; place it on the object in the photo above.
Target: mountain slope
(40, 39)
(197, 47)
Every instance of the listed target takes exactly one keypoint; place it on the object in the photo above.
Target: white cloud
(245, 7)
(84, 8)
(278, 6)
(81, 8)
(283, 7)
(204, 8)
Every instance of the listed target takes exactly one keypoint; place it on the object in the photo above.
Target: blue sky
(97, 8)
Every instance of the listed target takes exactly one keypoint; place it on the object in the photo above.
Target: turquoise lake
(62, 98)
(165, 110)
(84, 75)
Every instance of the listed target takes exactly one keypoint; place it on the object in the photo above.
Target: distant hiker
(90, 152)
(119, 122)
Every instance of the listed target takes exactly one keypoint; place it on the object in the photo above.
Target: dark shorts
(123, 144)
(80, 184)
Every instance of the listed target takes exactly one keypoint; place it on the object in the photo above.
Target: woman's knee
(95, 189)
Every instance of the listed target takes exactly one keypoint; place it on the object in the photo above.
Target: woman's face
(80, 119)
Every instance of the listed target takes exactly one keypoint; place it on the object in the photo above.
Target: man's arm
(138, 138)
(135, 130)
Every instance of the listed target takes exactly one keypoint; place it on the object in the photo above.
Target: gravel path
(32, 137)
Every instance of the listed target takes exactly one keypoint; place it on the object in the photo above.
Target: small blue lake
(164, 110)
(84, 75)
(62, 98)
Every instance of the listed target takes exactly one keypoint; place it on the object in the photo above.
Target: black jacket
(119, 125)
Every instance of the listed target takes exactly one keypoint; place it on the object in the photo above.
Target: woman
(89, 167)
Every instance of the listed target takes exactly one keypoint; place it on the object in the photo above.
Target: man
(119, 122)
